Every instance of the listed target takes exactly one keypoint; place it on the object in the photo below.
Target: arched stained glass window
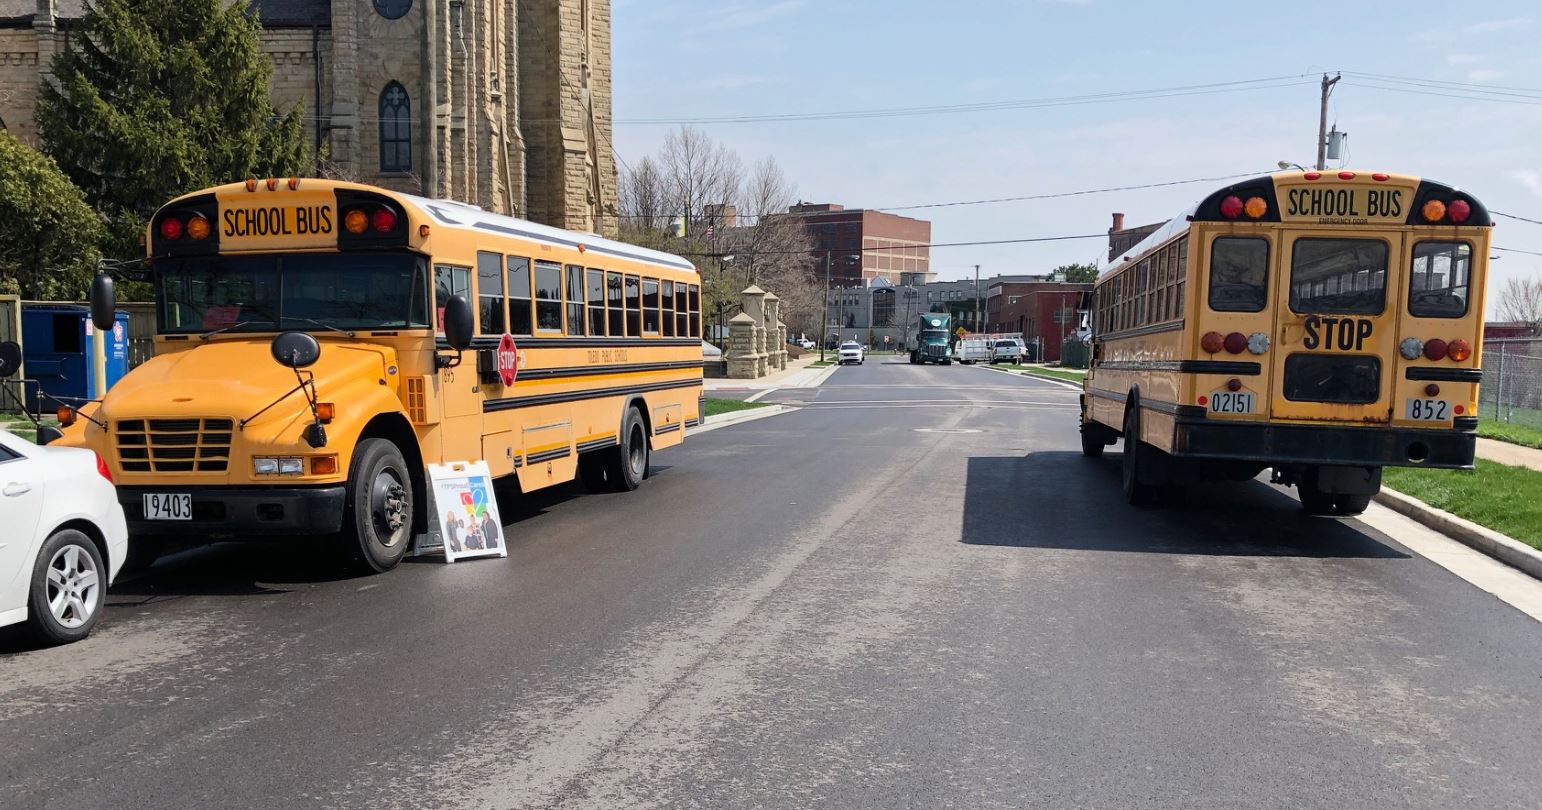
(393, 9)
(395, 129)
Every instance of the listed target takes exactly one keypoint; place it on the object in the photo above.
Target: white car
(849, 352)
(64, 540)
(805, 343)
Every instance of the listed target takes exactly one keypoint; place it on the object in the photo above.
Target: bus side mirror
(10, 358)
(296, 350)
(458, 322)
(48, 434)
(104, 302)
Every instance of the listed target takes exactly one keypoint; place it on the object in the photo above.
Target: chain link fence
(1512, 381)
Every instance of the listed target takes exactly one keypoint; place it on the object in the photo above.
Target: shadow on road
(1062, 500)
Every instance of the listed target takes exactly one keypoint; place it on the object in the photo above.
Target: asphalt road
(912, 592)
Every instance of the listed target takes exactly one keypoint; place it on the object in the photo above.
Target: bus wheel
(1094, 439)
(143, 551)
(1135, 491)
(591, 468)
(1350, 505)
(1313, 500)
(377, 527)
(629, 459)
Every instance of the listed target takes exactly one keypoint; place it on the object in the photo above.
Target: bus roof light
(273, 184)
(171, 229)
(294, 184)
(198, 227)
(1434, 211)
(1459, 350)
(355, 221)
(423, 230)
(251, 184)
(1231, 207)
(383, 220)
(1346, 175)
(1459, 211)
(1236, 343)
(1380, 177)
(1435, 349)
(1312, 175)
(1255, 207)
(1212, 342)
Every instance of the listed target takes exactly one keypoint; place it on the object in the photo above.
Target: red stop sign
(508, 359)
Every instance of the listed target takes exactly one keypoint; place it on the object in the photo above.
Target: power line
(1518, 250)
(1050, 101)
(1532, 102)
(1513, 216)
(1487, 88)
(894, 248)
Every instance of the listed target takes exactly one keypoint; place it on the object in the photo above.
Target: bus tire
(913, 358)
(591, 469)
(1313, 500)
(628, 460)
(1094, 439)
(1350, 505)
(377, 521)
(1136, 491)
(143, 551)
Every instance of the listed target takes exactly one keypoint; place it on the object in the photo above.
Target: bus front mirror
(296, 350)
(10, 358)
(458, 322)
(104, 300)
(48, 434)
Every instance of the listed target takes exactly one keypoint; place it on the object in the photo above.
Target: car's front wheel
(69, 588)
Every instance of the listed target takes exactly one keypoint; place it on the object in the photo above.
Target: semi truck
(930, 342)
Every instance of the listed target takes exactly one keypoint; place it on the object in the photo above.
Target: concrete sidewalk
(1512, 454)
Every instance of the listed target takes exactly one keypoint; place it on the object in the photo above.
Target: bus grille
(174, 445)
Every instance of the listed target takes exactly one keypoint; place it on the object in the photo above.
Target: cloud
(1483, 75)
(1494, 26)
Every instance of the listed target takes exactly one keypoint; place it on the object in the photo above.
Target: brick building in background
(1121, 238)
(864, 245)
(1045, 312)
(505, 104)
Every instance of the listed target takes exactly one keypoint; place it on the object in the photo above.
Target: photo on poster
(467, 510)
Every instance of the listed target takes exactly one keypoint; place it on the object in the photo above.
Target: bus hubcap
(388, 505)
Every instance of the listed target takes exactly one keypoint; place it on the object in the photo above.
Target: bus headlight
(283, 465)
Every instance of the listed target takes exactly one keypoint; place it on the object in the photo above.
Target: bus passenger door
(460, 400)
(1335, 342)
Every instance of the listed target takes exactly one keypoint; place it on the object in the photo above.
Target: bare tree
(1520, 300)
(774, 248)
(644, 198)
(700, 173)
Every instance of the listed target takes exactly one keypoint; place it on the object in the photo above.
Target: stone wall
(19, 70)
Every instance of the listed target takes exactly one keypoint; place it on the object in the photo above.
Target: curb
(737, 417)
(1505, 549)
(1053, 380)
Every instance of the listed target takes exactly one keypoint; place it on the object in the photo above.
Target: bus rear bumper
(242, 511)
(1276, 444)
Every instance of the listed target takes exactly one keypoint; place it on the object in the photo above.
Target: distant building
(885, 308)
(1044, 311)
(861, 245)
(1500, 330)
(1121, 238)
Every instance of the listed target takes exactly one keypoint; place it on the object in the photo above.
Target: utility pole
(1322, 121)
(824, 320)
(979, 320)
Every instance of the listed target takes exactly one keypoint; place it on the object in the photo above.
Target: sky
(689, 59)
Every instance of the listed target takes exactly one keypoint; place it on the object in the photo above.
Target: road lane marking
(756, 397)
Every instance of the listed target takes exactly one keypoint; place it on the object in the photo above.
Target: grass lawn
(1041, 371)
(1505, 499)
(716, 406)
(1510, 432)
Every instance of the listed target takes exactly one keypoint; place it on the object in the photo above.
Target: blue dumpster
(57, 352)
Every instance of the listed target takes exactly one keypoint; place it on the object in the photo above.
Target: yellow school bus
(1325, 324)
(320, 343)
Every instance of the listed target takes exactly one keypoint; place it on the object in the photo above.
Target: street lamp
(1285, 164)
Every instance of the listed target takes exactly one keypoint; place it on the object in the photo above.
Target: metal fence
(1512, 381)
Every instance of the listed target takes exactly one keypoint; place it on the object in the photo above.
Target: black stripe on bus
(1139, 331)
(1185, 366)
(690, 423)
(591, 371)
(575, 342)
(662, 429)
(1186, 411)
(548, 455)
(510, 403)
(597, 444)
(1425, 373)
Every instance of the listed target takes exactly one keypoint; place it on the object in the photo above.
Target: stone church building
(505, 104)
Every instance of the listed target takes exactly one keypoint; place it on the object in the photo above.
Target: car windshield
(1005, 344)
(850, 346)
(267, 293)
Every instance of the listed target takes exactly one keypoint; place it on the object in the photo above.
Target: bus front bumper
(241, 511)
(1312, 444)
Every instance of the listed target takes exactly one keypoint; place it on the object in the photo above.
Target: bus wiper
(329, 327)
(213, 332)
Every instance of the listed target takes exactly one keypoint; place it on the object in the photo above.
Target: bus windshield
(267, 293)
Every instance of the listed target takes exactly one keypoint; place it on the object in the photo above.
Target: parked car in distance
(1007, 351)
(849, 352)
(806, 343)
(64, 541)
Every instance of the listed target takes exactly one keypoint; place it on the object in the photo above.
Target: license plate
(1231, 402)
(1427, 410)
(169, 506)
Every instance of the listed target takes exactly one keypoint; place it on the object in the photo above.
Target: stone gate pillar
(742, 360)
(753, 299)
(776, 335)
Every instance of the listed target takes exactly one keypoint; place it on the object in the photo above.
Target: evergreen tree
(156, 98)
(48, 235)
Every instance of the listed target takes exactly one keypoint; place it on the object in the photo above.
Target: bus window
(490, 292)
(667, 295)
(695, 311)
(650, 307)
(1438, 279)
(519, 295)
(1239, 274)
(615, 310)
(633, 307)
(449, 281)
(596, 302)
(1339, 276)
(548, 297)
(575, 300)
(682, 311)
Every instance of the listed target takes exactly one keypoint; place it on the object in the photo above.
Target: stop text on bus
(1343, 334)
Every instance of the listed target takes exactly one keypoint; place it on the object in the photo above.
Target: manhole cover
(948, 430)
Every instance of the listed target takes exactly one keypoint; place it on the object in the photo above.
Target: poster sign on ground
(466, 510)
